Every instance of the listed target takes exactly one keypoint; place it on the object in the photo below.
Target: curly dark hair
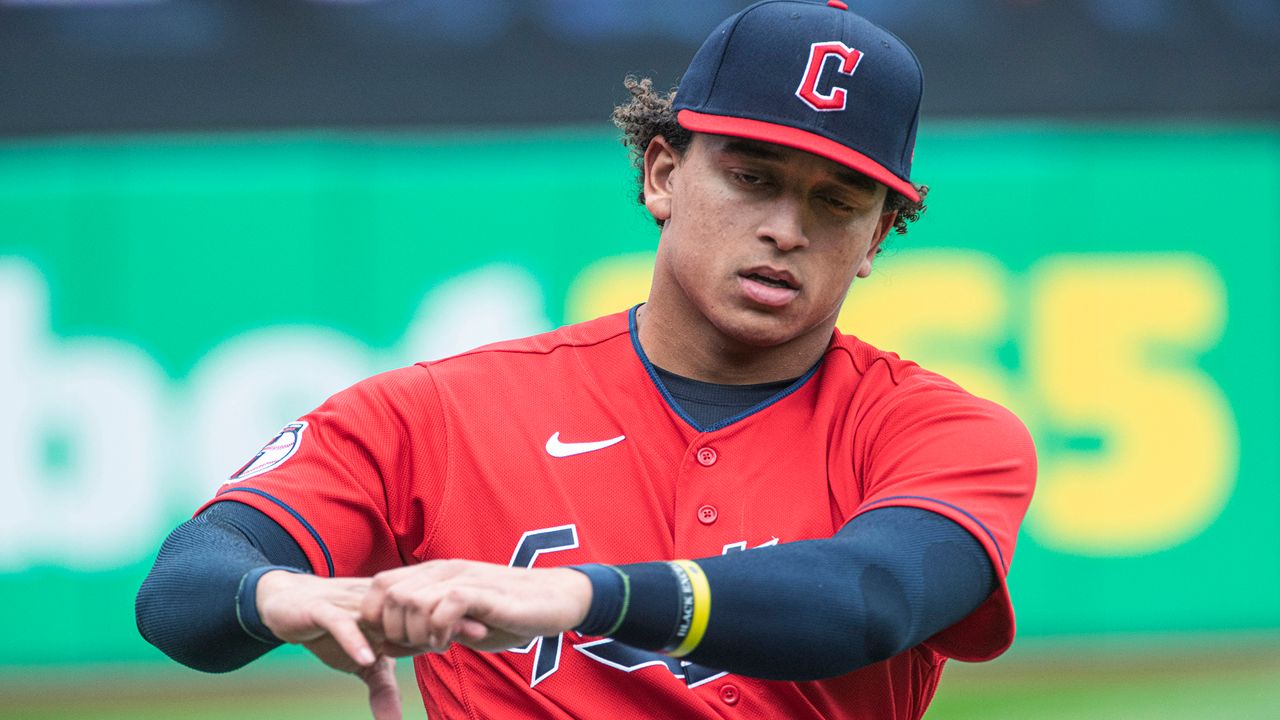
(649, 114)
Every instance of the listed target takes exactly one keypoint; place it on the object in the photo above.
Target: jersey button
(707, 457)
(707, 514)
(729, 694)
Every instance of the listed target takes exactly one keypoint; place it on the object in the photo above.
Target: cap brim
(798, 139)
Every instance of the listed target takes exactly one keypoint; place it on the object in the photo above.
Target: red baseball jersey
(564, 448)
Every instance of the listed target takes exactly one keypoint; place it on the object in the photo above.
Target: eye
(836, 204)
(748, 179)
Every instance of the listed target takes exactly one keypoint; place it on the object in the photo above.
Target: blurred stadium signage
(168, 304)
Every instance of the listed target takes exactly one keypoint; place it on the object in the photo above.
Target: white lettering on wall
(99, 448)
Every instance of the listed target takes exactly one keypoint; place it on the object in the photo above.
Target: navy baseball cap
(811, 76)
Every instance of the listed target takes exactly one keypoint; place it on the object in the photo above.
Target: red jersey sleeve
(356, 481)
(941, 449)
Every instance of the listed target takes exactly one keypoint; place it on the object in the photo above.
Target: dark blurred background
(138, 65)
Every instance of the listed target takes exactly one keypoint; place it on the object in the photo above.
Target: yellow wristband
(701, 608)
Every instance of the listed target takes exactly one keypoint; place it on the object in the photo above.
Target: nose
(783, 224)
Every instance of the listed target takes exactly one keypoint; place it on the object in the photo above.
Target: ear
(882, 231)
(660, 159)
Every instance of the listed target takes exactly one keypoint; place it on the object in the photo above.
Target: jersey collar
(675, 406)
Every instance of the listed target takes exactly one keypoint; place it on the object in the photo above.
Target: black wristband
(247, 604)
(610, 599)
(654, 611)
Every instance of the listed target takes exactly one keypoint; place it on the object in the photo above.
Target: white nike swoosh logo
(555, 448)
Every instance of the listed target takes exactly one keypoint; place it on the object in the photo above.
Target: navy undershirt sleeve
(889, 580)
(197, 604)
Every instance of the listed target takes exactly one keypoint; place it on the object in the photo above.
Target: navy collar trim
(674, 405)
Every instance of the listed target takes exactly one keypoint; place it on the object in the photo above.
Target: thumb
(384, 693)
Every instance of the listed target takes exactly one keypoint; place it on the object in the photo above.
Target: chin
(761, 330)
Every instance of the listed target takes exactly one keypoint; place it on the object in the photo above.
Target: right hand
(322, 614)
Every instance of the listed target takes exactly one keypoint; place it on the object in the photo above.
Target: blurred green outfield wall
(167, 303)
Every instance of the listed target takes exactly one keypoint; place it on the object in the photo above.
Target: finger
(494, 640)
(418, 630)
(396, 650)
(472, 631)
(429, 571)
(447, 615)
(384, 693)
(393, 623)
(328, 651)
(391, 589)
(341, 625)
(417, 598)
(373, 633)
(387, 588)
(416, 601)
(374, 601)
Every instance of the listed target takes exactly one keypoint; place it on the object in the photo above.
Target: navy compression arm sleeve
(889, 580)
(197, 604)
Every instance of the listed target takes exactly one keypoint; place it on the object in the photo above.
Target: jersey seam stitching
(462, 683)
(445, 494)
(853, 358)
(519, 351)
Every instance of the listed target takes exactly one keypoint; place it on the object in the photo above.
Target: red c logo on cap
(818, 53)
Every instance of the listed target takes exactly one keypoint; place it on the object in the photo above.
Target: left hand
(424, 608)
(321, 615)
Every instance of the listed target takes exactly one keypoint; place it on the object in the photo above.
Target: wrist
(654, 611)
(253, 597)
(578, 588)
(610, 596)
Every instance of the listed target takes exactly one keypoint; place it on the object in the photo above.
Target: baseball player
(712, 505)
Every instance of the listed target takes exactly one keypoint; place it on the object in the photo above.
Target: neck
(693, 347)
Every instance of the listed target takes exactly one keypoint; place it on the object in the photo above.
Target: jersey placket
(705, 510)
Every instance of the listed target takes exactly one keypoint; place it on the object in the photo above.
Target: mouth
(772, 278)
(769, 287)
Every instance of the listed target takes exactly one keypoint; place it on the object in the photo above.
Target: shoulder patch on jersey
(273, 454)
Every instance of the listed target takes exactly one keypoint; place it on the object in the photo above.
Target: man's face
(760, 241)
